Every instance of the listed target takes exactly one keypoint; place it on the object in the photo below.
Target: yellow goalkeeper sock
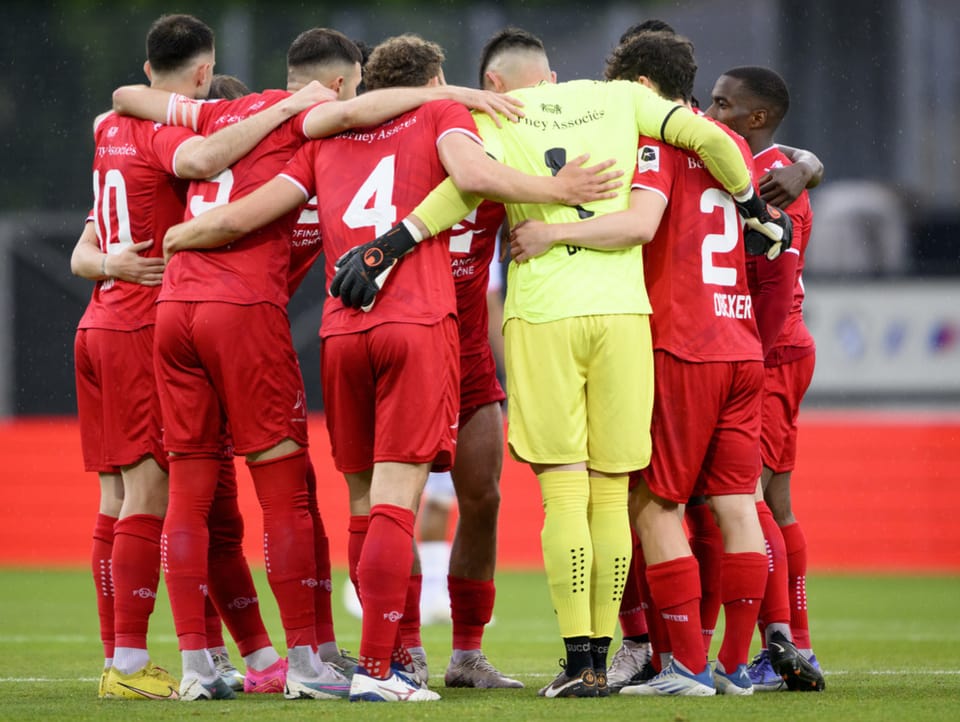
(612, 550)
(567, 548)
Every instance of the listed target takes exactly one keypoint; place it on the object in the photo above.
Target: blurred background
(875, 90)
(875, 93)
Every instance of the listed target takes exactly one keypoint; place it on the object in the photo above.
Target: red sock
(775, 607)
(186, 541)
(288, 542)
(744, 579)
(231, 585)
(214, 625)
(706, 543)
(136, 575)
(675, 587)
(322, 593)
(103, 578)
(796, 545)
(471, 607)
(357, 531)
(384, 572)
(656, 627)
(633, 620)
(410, 624)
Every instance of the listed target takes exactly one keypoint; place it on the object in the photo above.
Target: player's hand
(585, 183)
(309, 95)
(130, 266)
(493, 104)
(361, 272)
(173, 240)
(782, 186)
(767, 230)
(529, 239)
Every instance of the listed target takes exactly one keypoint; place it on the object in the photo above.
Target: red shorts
(219, 362)
(391, 393)
(117, 398)
(705, 428)
(783, 390)
(479, 385)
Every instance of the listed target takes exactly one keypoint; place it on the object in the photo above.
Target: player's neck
(759, 141)
(174, 84)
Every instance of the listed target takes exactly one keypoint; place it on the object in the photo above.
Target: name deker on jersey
(732, 305)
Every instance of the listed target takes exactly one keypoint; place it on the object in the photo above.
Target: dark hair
(227, 87)
(405, 60)
(503, 41)
(767, 86)
(666, 58)
(318, 46)
(365, 50)
(651, 25)
(174, 40)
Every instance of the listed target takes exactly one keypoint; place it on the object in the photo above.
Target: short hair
(175, 40)
(403, 61)
(505, 40)
(651, 25)
(767, 86)
(227, 87)
(319, 46)
(664, 57)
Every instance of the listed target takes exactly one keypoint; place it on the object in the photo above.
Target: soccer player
(585, 311)
(136, 198)
(387, 426)
(753, 101)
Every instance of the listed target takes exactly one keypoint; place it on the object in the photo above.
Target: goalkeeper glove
(768, 230)
(361, 272)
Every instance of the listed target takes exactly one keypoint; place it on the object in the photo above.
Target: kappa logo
(551, 108)
(145, 593)
(648, 159)
(113, 131)
(393, 616)
(310, 582)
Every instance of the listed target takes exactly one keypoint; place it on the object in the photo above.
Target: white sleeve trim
(303, 189)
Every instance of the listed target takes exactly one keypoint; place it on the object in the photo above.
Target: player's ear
(494, 82)
(147, 71)
(758, 118)
(553, 76)
(204, 74)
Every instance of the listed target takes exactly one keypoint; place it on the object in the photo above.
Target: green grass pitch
(890, 647)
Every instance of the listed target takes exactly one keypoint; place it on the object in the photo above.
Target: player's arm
(88, 261)
(476, 173)
(377, 106)
(782, 186)
(203, 157)
(607, 232)
(224, 224)
(771, 289)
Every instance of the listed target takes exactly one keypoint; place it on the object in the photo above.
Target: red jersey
(372, 178)
(254, 268)
(694, 266)
(136, 197)
(473, 243)
(306, 244)
(794, 340)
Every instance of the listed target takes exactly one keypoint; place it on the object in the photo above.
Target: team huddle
(655, 360)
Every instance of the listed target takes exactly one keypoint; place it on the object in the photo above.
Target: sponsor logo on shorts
(145, 593)
(393, 616)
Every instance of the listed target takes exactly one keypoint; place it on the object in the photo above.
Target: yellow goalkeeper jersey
(604, 119)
